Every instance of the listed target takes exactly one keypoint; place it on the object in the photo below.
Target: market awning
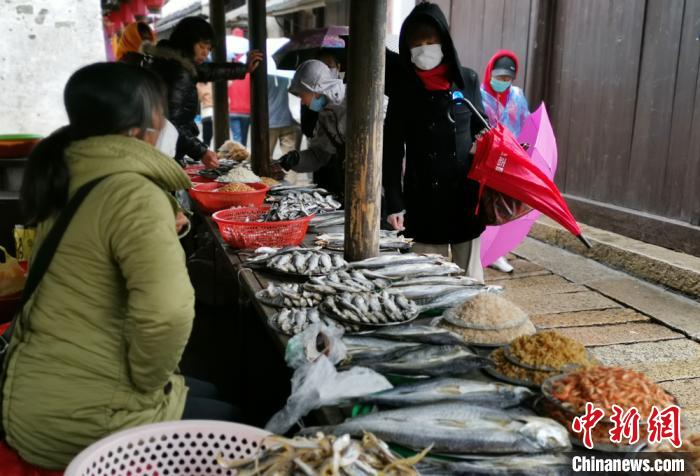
(285, 7)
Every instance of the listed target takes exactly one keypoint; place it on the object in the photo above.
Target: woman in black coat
(432, 198)
(180, 62)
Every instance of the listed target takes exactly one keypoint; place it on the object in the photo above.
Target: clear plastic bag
(316, 340)
(318, 384)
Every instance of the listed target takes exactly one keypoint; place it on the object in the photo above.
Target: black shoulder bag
(41, 262)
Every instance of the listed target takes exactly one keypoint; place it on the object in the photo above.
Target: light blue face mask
(499, 86)
(317, 104)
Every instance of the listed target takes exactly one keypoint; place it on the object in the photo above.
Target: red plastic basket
(210, 200)
(240, 230)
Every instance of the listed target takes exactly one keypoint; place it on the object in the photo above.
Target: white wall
(42, 42)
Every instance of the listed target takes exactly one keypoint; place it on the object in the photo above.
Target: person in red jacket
(239, 109)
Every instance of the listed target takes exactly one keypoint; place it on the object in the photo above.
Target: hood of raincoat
(432, 13)
(315, 77)
(502, 97)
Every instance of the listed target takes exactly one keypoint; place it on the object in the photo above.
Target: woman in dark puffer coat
(180, 62)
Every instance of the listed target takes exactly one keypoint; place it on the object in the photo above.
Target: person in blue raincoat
(504, 103)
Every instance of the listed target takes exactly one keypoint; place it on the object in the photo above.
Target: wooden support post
(259, 116)
(363, 159)
(217, 17)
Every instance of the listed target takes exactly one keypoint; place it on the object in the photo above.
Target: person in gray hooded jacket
(322, 91)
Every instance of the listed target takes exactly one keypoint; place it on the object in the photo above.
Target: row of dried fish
(331, 220)
(310, 202)
(370, 309)
(388, 241)
(299, 261)
(313, 292)
(294, 321)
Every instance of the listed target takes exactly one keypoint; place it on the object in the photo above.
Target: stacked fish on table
(296, 320)
(370, 309)
(298, 261)
(313, 292)
(388, 241)
(299, 205)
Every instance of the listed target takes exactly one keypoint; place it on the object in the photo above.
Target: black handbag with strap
(41, 262)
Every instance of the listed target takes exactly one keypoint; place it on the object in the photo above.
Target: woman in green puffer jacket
(96, 348)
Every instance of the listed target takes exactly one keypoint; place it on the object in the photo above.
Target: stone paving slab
(620, 333)
(688, 396)
(569, 302)
(522, 268)
(673, 310)
(549, 281)
(661, 361)
(685, 391)
(559, 292)
(587, 318)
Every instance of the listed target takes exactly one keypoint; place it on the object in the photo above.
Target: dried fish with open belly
(370, 309)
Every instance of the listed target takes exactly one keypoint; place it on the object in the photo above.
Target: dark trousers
(203, 403)
(207, 130)
(239, 129)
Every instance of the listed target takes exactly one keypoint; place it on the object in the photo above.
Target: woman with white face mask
(324, 93)
(432, 200)
(504, 103)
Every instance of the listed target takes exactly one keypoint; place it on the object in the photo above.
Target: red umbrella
(502, 164)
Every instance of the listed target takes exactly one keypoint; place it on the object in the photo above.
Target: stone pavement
(622, 320)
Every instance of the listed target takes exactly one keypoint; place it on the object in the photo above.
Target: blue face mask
(317, 104)
(499, 86)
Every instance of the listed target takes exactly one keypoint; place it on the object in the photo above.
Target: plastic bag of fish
(298, 261)
(370, 309)
(324, 455)
(296, 320)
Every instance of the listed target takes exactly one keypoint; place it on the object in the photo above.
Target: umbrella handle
(458, 97)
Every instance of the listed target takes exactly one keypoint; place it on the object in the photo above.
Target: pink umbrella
(497, 241)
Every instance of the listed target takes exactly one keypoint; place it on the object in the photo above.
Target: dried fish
(369, 309)
(432, 360)
(321, 455)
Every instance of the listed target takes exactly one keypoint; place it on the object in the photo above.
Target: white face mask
(167, 139)
(427, 57)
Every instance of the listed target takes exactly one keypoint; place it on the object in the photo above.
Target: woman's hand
(181, 221)
(210, 159)
(255, 57)
(396, 221)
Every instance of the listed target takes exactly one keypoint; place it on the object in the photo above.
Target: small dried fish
(370, 309)
(302, 261)
(321, 455)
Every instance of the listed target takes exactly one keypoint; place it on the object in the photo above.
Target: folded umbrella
(536, 131)
(501, 163)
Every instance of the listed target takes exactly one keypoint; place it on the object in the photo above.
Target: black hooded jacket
(181, 76)
(436, 135)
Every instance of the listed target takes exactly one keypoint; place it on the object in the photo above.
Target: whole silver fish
(415, 269)
(457, 297)
(427, 291)
(456, 427)
(432, 360)
(436, 280)
(363, 349)
(516, 465)
(474, 392)
(383, 261)
(417, 333)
